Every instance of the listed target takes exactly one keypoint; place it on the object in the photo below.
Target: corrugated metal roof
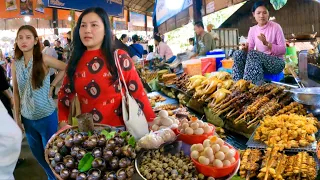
(140, 6)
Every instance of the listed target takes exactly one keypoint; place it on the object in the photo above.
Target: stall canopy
(113, 7)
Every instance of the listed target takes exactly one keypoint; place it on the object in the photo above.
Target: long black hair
(258, 4)
(78, 48)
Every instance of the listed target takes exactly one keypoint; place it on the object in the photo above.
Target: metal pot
(307, 96)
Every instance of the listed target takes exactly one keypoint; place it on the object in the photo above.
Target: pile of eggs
(213, 152)
(164, 121)
(194, 126)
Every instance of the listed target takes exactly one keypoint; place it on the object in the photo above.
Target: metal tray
(174, 148)
(260, 145)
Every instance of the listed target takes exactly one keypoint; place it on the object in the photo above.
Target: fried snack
(158, 98)
(293, 107)
(287, 131)
(249, 165)
(167, 107)
(301, 166)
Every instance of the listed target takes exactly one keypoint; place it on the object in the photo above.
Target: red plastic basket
(194, 139)
(211, 171)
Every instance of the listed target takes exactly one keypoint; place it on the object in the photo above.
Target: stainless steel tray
(174, 148)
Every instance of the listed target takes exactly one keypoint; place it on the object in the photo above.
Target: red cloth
(96, 92)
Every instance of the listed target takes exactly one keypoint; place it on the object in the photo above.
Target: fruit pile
(101, 154)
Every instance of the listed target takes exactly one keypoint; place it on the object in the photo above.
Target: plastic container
(219, 55)
(274, 77)
(227, 63)
(195, 139)
(208, 65)
(192, 67)
(211, 171)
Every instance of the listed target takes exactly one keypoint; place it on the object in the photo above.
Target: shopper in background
(35, 111)
(214, 35)
(124, 38)
(205, 41)
(10, 138)
(150, 55)
(50, 52)
(92, 73)
(6, 96)
(268, 40)
(192, 47)
(136, 48)
(67, 48)
(163, 50)
(59, 50)
(8, 67)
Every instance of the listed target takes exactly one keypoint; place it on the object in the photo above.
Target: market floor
(30, 169)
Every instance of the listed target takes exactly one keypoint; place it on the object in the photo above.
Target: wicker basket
(51, 140)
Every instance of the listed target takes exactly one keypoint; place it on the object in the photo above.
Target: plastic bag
(278, 4)
(155, 139)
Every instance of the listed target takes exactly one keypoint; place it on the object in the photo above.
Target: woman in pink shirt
(164, 50)
(266, 48)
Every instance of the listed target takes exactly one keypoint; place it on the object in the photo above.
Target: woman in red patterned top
(93, 75)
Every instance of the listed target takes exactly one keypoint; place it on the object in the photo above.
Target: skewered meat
(218, 96)
(249, 165)
(222, 76)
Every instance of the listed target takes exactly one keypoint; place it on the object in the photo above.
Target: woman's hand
(244, 47)
(263, 39)
(51, 91)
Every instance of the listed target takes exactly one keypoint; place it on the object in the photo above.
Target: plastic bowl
(227, 63)
(210, 171)
(195, 139)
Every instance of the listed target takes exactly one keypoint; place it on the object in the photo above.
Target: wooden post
(55, 21)
(146, 23)
(73, 21)
(197, 6)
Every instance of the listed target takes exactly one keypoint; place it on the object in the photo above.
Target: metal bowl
(174, 148)
(307, 96)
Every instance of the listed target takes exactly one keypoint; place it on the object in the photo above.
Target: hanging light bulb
(69, 18)
(27, 19)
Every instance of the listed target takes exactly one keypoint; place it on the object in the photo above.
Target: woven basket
(53, 138)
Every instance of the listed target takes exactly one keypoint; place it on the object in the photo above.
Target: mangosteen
(81, 153)
(96, 152)
(102, 140)
(78, 138)
(114, 164)
(59, 167)
(121, 174)
(58, 157)
(74, 151)
(62, 135)
(94, 174)
(128, 151)
(74, 173)
(110, 176)
(123, 163)
(98, 163)
(82, 176)
(59, 142)
(72, 132)
(69, 161)
(64, 151)
(91, 142)
(130, 171)
(107, 154)
(111, 144)
(53, 163)
(69, 141)
(53, 151)
(119, 140)
(117, 151)
(65, 173)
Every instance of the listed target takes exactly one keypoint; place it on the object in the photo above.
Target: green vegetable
(124, 134)
(89, 133)
(108, 135)
(105, 133)
(85, 162)
(132, 141)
